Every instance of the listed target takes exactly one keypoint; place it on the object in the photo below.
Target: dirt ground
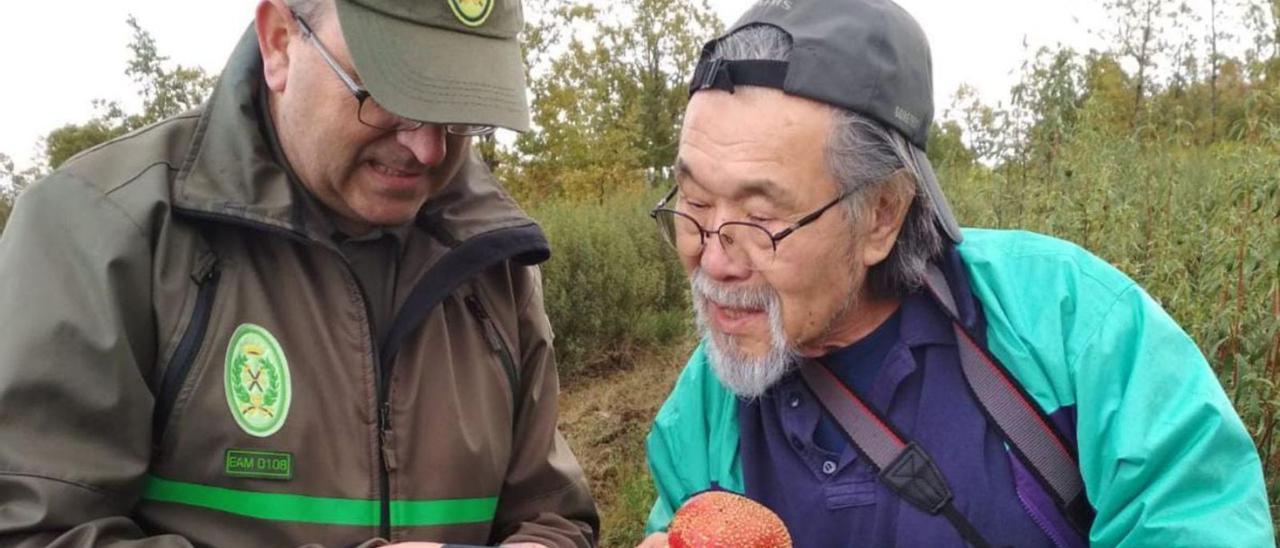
(605, 417)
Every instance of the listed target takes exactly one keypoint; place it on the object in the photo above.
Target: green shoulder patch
(258, 386)
(472, 13)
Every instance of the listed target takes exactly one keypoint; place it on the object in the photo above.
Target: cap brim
(941, 209)
(435, 74)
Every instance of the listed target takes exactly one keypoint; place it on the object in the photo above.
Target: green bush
(612, 285)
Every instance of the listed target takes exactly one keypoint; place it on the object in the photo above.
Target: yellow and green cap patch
(472, 13)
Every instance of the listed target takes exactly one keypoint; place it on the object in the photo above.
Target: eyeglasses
(369, 112)
(744, 242)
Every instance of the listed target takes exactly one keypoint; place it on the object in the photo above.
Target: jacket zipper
(1036, 518)
(386, 456)
(382, 365)
(382, 381)
(381, 371)
(206, 279)
(496, 345)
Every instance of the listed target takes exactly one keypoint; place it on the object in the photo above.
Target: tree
(67, 141)
(1050, 93)
(164, 92)
(1108, 89)
(12, 182)
(660, 61)
(947, 148)
(1262, 18)
(1138, 36)
(608, 82)
(1214, 37)
(982, 127)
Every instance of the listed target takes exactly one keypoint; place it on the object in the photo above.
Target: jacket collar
(232, 171)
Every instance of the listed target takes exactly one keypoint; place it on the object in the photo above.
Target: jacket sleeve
(693, 445)
(545, 498)
(1165, 459)
(664, 453)
(75, 352)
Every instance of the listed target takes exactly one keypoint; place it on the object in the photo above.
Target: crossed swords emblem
(255, 380)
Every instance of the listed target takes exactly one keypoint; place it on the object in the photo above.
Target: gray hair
(863, 155)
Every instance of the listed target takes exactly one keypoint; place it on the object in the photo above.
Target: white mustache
(751, 298)
(746, 376)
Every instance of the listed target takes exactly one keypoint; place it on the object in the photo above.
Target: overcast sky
(59, 55)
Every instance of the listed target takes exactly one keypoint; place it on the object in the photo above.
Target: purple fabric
(1041, 508)
(830, 499)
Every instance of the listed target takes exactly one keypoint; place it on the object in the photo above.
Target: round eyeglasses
(744, 242)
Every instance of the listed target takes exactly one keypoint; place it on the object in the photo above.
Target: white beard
(745, 375)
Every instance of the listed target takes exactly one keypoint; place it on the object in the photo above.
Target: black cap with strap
(866, 56)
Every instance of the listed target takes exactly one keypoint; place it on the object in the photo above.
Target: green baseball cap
(440, 61)
(867, 56)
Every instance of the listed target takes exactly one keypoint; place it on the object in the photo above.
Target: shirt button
(795, 401)
(829, 467)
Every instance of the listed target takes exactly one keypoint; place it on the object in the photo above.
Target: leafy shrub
(612, 285)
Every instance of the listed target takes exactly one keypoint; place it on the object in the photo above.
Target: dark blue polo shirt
(829, 497)
(857, 366)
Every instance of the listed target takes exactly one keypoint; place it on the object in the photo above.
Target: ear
(887, 211)
(276, 30)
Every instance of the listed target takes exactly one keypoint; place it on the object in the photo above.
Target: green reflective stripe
(443, 512)
(324, 510)
(271, 506)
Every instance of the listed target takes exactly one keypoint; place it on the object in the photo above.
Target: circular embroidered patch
(257, 381)
(472, 13)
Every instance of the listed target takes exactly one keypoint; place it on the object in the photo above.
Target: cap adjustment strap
(725, 75)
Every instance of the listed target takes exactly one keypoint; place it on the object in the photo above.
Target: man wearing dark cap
(879, 377)
(303, 314)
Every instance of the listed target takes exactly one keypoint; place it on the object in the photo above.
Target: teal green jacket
(1165, 459)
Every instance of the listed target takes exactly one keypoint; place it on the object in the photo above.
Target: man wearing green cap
(303, 314)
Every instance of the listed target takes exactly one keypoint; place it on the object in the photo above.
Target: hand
(656, 540)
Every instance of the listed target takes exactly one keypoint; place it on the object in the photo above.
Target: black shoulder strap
(903, 466)
(1044, 450)
(906, 469)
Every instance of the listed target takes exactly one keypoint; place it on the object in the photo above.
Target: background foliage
(1159, 153)
(616, 287)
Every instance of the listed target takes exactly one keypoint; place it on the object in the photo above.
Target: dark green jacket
(186, 358)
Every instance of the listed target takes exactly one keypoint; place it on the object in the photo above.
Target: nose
(427, 143)
(721, 265)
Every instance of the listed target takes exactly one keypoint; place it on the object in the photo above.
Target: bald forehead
(755, 142)
(775, 192)
(755, 113)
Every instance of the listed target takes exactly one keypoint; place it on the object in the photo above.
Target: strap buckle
(713, 74)
(915, 478)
